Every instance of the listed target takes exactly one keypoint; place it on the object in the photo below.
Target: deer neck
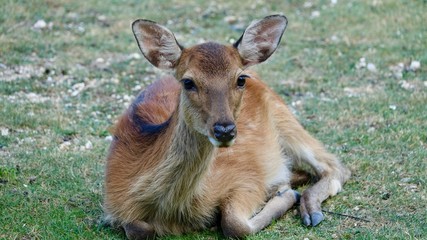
(186, 162)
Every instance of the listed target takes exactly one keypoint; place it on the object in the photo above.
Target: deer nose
(224, 132)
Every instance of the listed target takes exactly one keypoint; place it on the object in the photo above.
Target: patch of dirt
(362, 90)
(9, 74)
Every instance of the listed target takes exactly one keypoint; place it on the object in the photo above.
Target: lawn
(353, 72)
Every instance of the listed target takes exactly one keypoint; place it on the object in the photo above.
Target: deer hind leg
(139, 230)
(304, 148)
(332, 175)
(238, 221)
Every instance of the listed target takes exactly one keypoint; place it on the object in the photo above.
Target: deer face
(212, 75)
(213, 82)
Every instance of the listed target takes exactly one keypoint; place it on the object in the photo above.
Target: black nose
(224, 132)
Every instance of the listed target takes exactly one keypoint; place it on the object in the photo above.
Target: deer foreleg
(237, 221)
(274, 209)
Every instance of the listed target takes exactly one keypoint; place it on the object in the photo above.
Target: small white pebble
(108, 138)
(415, 65)
(35, 98)
(72, 15)
(371, 67)
(75, 93)
(361, 63)
(297, 103)
(308, 4)
(88, 145)
(136, 88)
(77, 88)
(392, 107)
(64, 145)
(101, 18)
(405, 180)
(406, 85)
(333, 2)
(115, 80)
(135, 56)
(230, 19)
(127, 98)
(334, 38)
(398, 75)
(40, 24)
(397, 70)
(315, 14)
(231, 40)
(4, 131)
(81, 28)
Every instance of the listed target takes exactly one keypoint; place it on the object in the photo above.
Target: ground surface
(354, 73)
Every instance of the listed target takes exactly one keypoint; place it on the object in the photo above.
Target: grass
(63, 86)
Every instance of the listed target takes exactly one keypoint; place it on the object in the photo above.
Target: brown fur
(164, 176)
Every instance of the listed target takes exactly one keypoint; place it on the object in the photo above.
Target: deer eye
(188, 84)
(241, 80)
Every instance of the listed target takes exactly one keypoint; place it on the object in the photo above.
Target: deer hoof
(316, 218)
(313, 219)
(139, 231)
(297, 196)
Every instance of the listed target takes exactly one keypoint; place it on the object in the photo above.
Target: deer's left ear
(261, 39)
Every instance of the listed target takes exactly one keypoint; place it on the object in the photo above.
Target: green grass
(51, 178)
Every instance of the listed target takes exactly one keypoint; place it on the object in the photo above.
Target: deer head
(212, 75)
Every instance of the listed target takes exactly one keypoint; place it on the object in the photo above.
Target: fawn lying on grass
(213, 142)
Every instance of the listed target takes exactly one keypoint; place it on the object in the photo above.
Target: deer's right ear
(157, 44)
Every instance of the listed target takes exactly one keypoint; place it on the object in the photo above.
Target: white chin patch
(217, 143)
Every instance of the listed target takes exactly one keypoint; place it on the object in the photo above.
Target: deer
(212, 145)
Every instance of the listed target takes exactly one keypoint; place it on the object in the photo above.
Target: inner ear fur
(260, 39)
(157, 43)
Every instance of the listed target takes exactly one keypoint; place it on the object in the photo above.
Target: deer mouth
(220, 144)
